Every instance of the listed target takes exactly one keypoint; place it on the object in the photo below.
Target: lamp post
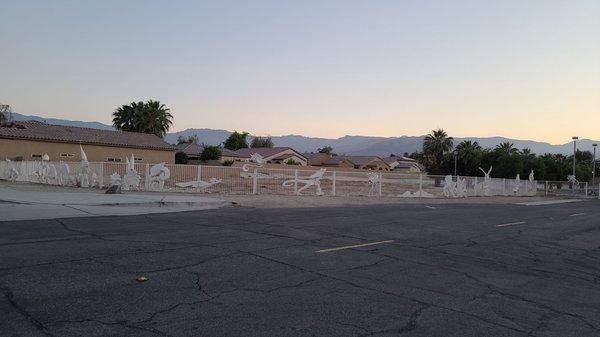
(594, 166)
(455, 161)
(574, 153)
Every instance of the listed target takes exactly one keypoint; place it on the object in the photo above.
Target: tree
(435, 145)
(469, 157)
(506, 148)
(181, 158)
(325, 149)
(5, 112)
(210, 153)
(236, 141)
(145, 117)
(261, 142)
(193, 139)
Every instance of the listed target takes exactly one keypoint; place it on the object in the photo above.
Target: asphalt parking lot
(379, 270)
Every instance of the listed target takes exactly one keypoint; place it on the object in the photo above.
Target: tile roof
(190, 149)
(264, 151)
(34, 130)
(399, 159)
(363, 160)
(335, 160)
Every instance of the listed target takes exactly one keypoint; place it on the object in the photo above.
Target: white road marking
(577, 214)
(430, 207)
(511, 224)
(548, 202)
(355, 246)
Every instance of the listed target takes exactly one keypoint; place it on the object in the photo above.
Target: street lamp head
(594, 145)
(575, 137)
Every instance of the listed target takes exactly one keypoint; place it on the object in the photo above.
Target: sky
(519, 69)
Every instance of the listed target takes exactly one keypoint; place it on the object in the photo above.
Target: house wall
(319, 159)
(14, 148)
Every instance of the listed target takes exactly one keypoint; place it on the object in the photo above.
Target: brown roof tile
(33, 130)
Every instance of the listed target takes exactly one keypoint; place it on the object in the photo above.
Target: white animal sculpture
(65, 178)
(374, 181)
(199, 184)
(42, 173)
(159, 173)
(11, 172)
(417, 194)
(256, 160)
(131, 179)
(517, 184)
(313, 180)
(115, 179)
(461, 187)
(486, 181)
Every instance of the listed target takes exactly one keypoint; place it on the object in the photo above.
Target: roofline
(87, 143)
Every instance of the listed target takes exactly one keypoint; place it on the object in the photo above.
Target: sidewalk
(27, 203)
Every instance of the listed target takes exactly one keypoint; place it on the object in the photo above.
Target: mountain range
(349, 145)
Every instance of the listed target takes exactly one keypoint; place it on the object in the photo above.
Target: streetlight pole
(574, 153)
(455, 161)
(594, 166)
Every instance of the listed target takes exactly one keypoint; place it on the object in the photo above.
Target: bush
(228, 162)
(181, 158)
(291, 161)
(210, 153)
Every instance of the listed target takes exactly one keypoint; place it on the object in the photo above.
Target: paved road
(441, 270)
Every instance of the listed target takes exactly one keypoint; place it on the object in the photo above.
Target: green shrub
(210, 153)
(228, 162)
(181, 158)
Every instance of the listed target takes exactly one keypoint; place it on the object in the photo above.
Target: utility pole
(594, 166)
(455, 161)
(574, 153)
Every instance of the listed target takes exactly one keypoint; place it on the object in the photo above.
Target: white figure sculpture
(64, 178)
(158, 174)
(461, 187)
(84, 172)
(486, 181)
(42, 173)
(449, 187)
(517, 184)
(532, 186)
(131, 179)
(11, 173)
(374, 181)
(313, 180)
(201, 185)
(115, 179)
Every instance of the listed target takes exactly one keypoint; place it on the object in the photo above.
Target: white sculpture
(42, 174)
(313, 180)
(159, 173)
(517, 184)
(65, 177)
(374, 181)
(486, 181)
(11, 173)
(456, 189)
(256, 161)
(131, 179)
(84, 173)
(532, 186)
(201, 185)
(115, 179)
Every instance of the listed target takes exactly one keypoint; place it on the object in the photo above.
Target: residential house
(403, 164)
(368, 163)
(192, 150)
(30, 140)
(271, 155)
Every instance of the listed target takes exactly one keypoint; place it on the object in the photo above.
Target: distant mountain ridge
(349, 145)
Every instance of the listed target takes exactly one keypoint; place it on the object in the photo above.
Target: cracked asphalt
(451, 270)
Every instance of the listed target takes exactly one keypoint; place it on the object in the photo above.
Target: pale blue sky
(524, 69)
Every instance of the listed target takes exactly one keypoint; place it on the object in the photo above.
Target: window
(36, 155)
(67, 155)
(113, 160)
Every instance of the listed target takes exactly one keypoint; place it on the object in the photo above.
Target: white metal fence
(288, 180)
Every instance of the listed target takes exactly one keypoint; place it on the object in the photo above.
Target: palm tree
(145, 117)
(435, 145)
(469, 153)
(506, 148)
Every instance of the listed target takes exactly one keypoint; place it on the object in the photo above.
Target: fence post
(420, 185)
(546, 188)
(333, 184)
(598, 191)
(380, 182)
(147, 180)
(503, 186)
(101, 178)
(255, 182)
(586, 189)
(295, 181)
(198, 176)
